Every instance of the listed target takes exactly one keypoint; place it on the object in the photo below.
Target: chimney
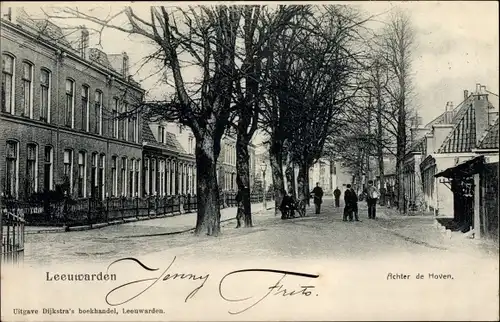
(125, 65)
(481, 112)
(478, 88)
(448, 113)
(466, 94)
(84, 41)
(8, 14)
(429, 140)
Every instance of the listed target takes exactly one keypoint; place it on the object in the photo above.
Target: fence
(11, 233)
(90, 211)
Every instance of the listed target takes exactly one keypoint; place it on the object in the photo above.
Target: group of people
(289, 203)
(371, 194)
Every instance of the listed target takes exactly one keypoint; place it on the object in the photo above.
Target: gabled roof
(462, 137)
(171, 142)
(490, 139)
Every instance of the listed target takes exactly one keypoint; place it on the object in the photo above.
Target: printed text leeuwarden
(80, 277)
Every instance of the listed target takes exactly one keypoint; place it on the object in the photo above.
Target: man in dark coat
(287, 206)
(336, 195)
(351, 204)
(318, 197)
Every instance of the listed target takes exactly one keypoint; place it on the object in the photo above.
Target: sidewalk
(427, 229)
(174, 222)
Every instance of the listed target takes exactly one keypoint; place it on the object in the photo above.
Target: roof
(44, 27)
(490, 139)
(464, 169)
(171, 142)
(462, 138)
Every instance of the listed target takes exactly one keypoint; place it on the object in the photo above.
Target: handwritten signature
(275, 289)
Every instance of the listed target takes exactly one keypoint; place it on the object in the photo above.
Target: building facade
(451, 142)
(67, 114)
(168, 168)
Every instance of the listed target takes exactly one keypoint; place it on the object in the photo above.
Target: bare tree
(260, 26)
(207, 35)
(396, 46)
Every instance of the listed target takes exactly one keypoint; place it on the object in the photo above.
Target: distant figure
(372, 195)
(318, 197)
(351, 204)
(287, 206)
(336, 195)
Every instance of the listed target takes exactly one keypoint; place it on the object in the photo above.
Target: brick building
(66, 114)
(169, 168)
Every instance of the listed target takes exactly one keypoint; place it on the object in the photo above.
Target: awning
(464, 169)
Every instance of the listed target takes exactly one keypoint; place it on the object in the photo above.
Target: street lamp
(263, 167)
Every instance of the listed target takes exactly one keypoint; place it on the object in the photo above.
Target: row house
(169, 169)
(452, 142)
(68, 114)
(414, 199)
(474, 184)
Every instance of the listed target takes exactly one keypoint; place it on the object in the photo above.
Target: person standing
(336, 195)
(351, 204)
(318, 197)
(372, 195)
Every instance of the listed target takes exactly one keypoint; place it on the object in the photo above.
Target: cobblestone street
(315, 236)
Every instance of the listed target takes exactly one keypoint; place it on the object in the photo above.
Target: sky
(456, 47)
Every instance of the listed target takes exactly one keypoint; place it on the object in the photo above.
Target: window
(153, 177)
(44, 95)
(137, 176)
(68, 169)
(161, 177)
(85, 108)
(190, 145)
(69, 107)
(167, 175)
(98, 112)
(82, 171)
(124, 176)
(180, 128)
(135, 128)
(161, 134)
(146, 176)
(31, 170)
(114, 176)
(115, 118)
(131, 178)
(7, 83)
(100, 177)
(93, 175)
(124, 121)
(12, 169)
(48, 169)
(26, 97)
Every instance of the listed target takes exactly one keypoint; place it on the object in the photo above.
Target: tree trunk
(307, 188)
(380, 151)
(303, 183)
(290, 176)
(243, 181)
(208, 216)
(276, 160)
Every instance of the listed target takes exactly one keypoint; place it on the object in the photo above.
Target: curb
(124, 221)
(185, 230)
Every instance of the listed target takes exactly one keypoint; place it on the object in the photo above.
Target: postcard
(241, 161)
